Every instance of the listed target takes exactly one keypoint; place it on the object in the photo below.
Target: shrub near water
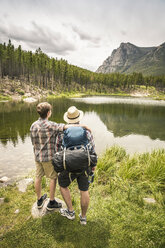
(124, 181)
(145, 170)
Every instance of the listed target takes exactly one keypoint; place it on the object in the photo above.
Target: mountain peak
(126, 44)
(162, 45)
(129, 58)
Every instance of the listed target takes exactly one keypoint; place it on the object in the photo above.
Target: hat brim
(72, 121)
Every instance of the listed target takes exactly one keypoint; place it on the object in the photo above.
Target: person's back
(43, 133)
(75, 136)
(75, 153)
(43, 136)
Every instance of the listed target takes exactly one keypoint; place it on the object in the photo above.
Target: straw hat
(73, 115)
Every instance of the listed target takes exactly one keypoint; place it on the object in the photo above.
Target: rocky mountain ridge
(129, 58)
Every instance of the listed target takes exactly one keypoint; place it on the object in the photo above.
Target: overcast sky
(84, 32)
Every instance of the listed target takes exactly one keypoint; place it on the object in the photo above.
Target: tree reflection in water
(120, 119)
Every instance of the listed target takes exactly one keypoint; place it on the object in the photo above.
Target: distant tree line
(53, 74)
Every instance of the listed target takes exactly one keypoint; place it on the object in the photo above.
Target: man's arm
(58, 127)
(77, 125)
(92, 145)
(32, 134)
(58, 143)
(91, 140)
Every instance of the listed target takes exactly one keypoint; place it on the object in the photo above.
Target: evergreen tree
(54, 74)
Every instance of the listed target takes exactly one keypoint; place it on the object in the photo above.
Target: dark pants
(65, 178)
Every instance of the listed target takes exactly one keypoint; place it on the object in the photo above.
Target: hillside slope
(129, 58)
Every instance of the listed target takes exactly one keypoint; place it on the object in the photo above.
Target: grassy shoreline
(118, 217)
(141, 91)
(5, 98)
(150, 93)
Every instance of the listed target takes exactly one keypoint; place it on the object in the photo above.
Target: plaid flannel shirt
(59, 138)
(43, 136)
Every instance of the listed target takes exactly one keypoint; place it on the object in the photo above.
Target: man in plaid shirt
(43, 136)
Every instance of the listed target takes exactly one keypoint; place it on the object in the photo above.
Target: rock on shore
(30, 99)
(22, 185)
(38, 213)
(4, 179)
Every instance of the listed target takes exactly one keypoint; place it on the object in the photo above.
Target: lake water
(136, 124)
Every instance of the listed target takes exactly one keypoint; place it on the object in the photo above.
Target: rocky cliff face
(129, 58)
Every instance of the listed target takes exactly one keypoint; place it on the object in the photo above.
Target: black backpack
(74, 161)
(75, 157)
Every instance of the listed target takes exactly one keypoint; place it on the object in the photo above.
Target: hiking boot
(83, 221)
(41, 201)
(53, 205)
(68, 214)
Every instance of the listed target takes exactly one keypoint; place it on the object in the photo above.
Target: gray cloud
(83, 32)
(123, 32)
(84, 35)
(43, 37)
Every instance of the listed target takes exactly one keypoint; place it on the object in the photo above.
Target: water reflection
(124, 119)
(16, 161)
(119, 100)
(120, 119)
(127, 119)
(104, 138)
(137, 127)
(16, 119)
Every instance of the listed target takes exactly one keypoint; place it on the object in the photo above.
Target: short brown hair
(43, 108)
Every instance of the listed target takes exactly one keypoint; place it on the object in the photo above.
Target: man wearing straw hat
(74, 116)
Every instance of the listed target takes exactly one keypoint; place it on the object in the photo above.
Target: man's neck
(44, 119)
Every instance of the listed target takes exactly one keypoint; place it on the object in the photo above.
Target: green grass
(4, 98)
(117, 216)
(153, 93)
(88, 93)
(21, 92)
(66, 94)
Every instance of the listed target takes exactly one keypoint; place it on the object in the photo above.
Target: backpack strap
(64, 164)
(44, 143)
(89, 159)
(86, 174)
(70, 176)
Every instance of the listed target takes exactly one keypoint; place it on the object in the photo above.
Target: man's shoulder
(60, 135)
(34, 125)
(88, 133)
(56, 126)
(52, 123)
